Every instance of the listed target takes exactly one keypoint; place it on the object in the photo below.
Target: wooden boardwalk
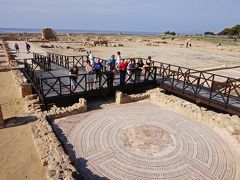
(49, 75)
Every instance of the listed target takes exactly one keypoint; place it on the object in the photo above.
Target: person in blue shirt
(111, 62)
(98, 69)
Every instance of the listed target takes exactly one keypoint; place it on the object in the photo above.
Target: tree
(231, 31)
(209, 33)
(170, 33)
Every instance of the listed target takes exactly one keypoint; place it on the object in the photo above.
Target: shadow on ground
(18, 121)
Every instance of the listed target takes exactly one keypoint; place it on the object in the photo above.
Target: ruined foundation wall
(51, 152)
(24, 87)
(124, 98)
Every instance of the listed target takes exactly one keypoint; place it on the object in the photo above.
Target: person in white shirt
(118, 58)
(91, 58)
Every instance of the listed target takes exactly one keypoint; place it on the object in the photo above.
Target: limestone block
(233, 130)
(235, 119)
(119, 97)
(1, 119)
(32, 97)
(83, 104)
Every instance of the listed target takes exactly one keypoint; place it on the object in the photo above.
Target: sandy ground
(11, 102)
(202, 55)
(18, 155)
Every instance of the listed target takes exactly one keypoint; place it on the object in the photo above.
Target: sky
(181, 16)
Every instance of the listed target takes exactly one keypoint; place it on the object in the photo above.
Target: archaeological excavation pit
(144, 141)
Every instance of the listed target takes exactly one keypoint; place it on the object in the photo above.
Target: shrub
(170, 33)
(209, 33)
(231, 31)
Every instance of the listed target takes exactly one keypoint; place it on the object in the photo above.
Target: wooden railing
(42, 61)
(218, 91)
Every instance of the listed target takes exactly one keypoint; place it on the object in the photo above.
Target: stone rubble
(51, 153)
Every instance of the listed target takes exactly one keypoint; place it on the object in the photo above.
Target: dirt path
(10, 99)
(18, 155)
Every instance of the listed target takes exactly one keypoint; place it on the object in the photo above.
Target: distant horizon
(65, 30)
(157, 16)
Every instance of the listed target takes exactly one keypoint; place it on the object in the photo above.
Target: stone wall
(210, 118)
(124, 98)
(51, 153)
(56, 112)
(25, 88)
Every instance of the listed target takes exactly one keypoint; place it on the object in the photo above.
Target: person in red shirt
(123, 70)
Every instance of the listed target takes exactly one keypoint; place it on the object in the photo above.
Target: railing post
(41, 92)
(228, 95)
(173, 79)
(197, 87)
(155, 75)
(86, 83)
(60, 85)
(210, 97)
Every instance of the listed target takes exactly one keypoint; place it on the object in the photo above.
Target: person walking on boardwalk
(73, 73)
(123, 70)
(90, 75)
(28, 47)
(111, 63)
(16, 47)
(98, 70)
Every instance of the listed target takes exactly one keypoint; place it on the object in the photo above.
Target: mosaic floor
(144, 141)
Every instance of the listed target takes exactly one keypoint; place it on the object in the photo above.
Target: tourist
(73, 73)
(147, 67)
(90, 76)
(91, 58)
(28, 47)
(131, 69)
(123, 69)
(118, 58)
(98, 70)
(87, 56)
(111, 62)
(138, 69)
(16, 47)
